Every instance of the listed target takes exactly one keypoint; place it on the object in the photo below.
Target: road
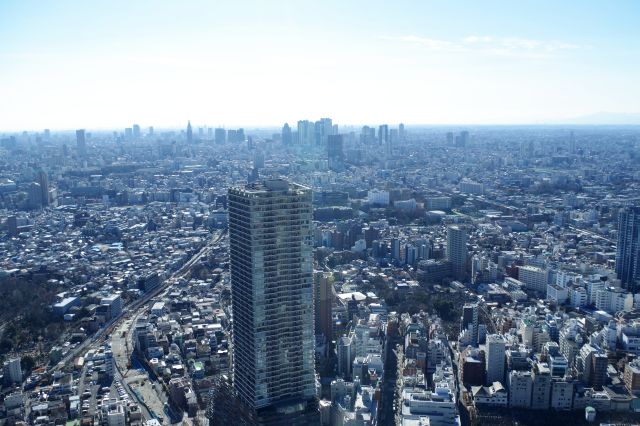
(125, 322)
(104, 331)
(150, 397)
(121, 357)
(592, 234)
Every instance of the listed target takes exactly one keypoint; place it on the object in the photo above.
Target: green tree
(27, 363)
(5, 346)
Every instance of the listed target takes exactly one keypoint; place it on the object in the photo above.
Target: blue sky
(101, 64)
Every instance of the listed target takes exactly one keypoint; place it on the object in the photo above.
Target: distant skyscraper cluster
(461, 140)
(310, 133)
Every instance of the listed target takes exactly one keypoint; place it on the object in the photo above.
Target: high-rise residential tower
(272, 300)
(628, 248)
(457, 250)
(42, 178)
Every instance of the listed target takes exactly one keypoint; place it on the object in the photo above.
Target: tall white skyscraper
(272, 297)
(495, 358)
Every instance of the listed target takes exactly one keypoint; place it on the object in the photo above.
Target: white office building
(495, 359)
(375, 197)
(438, 406)
(534, 278)
(471, 187)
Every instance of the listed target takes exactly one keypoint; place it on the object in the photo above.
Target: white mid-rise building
(114, 412)
(534, 278)
(557, 294)
(564, 278)
(630, 338)
(613, 300)
(438, 406)
(438, 203)
(578, 296)
(520, 388)
(471, 187)
(376, 197)
(495, 358)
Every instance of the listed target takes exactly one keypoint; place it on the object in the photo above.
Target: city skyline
(303, 213)
(73, 65)
(392, 274)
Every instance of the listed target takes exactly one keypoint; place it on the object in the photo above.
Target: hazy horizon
(350, 126)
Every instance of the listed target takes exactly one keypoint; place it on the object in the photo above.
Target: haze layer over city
(319, 213)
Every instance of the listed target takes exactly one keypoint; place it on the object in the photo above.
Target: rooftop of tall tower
(270, 185)
(276, 184)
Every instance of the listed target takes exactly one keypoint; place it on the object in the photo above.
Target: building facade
(495, 358)
(272, 296)
(628, 248)
(457, 251)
